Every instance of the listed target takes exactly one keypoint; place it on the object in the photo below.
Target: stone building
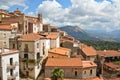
(33, 49)
(88, 52)
(7, 30)
(27, 24)
(74, 68)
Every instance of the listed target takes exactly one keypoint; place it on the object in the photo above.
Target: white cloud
(87, 14)
(6, 4)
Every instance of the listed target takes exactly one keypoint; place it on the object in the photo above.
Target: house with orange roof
(7, 30)
(88, 52)
(89, 69)
(59, 53)
(71, 43)
(74, 68)
(9, 64)
(54, 38)
(33, 50)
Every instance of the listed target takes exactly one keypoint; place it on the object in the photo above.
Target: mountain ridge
(77, 33)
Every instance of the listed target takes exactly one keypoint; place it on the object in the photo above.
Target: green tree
(57, 74)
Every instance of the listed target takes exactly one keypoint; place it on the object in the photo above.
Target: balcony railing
(26, 49)
(12, 76)
(9, 66)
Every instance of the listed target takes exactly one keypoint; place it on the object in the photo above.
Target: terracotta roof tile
(108, 53)
(30, 37)
(87, 64)
(60, 51)
(50, 35)
(112, 65)
(6, 27)
(88, 50)
(65, 62)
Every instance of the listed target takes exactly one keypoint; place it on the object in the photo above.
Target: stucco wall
(69, 72)
(6, 62)
(87, 72)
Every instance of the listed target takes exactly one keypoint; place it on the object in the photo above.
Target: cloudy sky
(87, 14)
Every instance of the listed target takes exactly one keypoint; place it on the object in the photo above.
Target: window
(43, 49)
(75, 73)
(26, 56)
(11, 72)
(26, 45)
(4, 44)
(11, 61)
(4, 35)
(38, 55)
(91, 72)
(13, 46)
(84, 72)
(26, 48)
(37, 45)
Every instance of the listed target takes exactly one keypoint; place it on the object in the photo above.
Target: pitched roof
(6, 27)
(30, 37)
(7, 51)
(88, 64)
(50, 35)
(66, 62)
(108, 53)
(112, 65)
(60, 51)
(88, 50)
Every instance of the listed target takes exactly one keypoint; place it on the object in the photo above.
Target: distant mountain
(106, 36)
(77, 33)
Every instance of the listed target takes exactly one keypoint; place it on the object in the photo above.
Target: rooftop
(50, 35)
(60, 51)
(88, 50)
(30, 37)
(37, 36)
(7, 51)
(88, 64)
(112, 65)
(108, 53)
(6, 27)
(65, 62)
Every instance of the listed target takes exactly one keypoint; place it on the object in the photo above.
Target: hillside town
(32, 50)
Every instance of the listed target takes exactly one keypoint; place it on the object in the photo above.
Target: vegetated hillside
(102, 45)
(77, 33)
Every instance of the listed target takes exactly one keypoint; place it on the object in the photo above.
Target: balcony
(12, 76)
(9, 66)
(26, 49)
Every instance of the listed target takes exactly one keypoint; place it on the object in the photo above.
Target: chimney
(104, 50)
